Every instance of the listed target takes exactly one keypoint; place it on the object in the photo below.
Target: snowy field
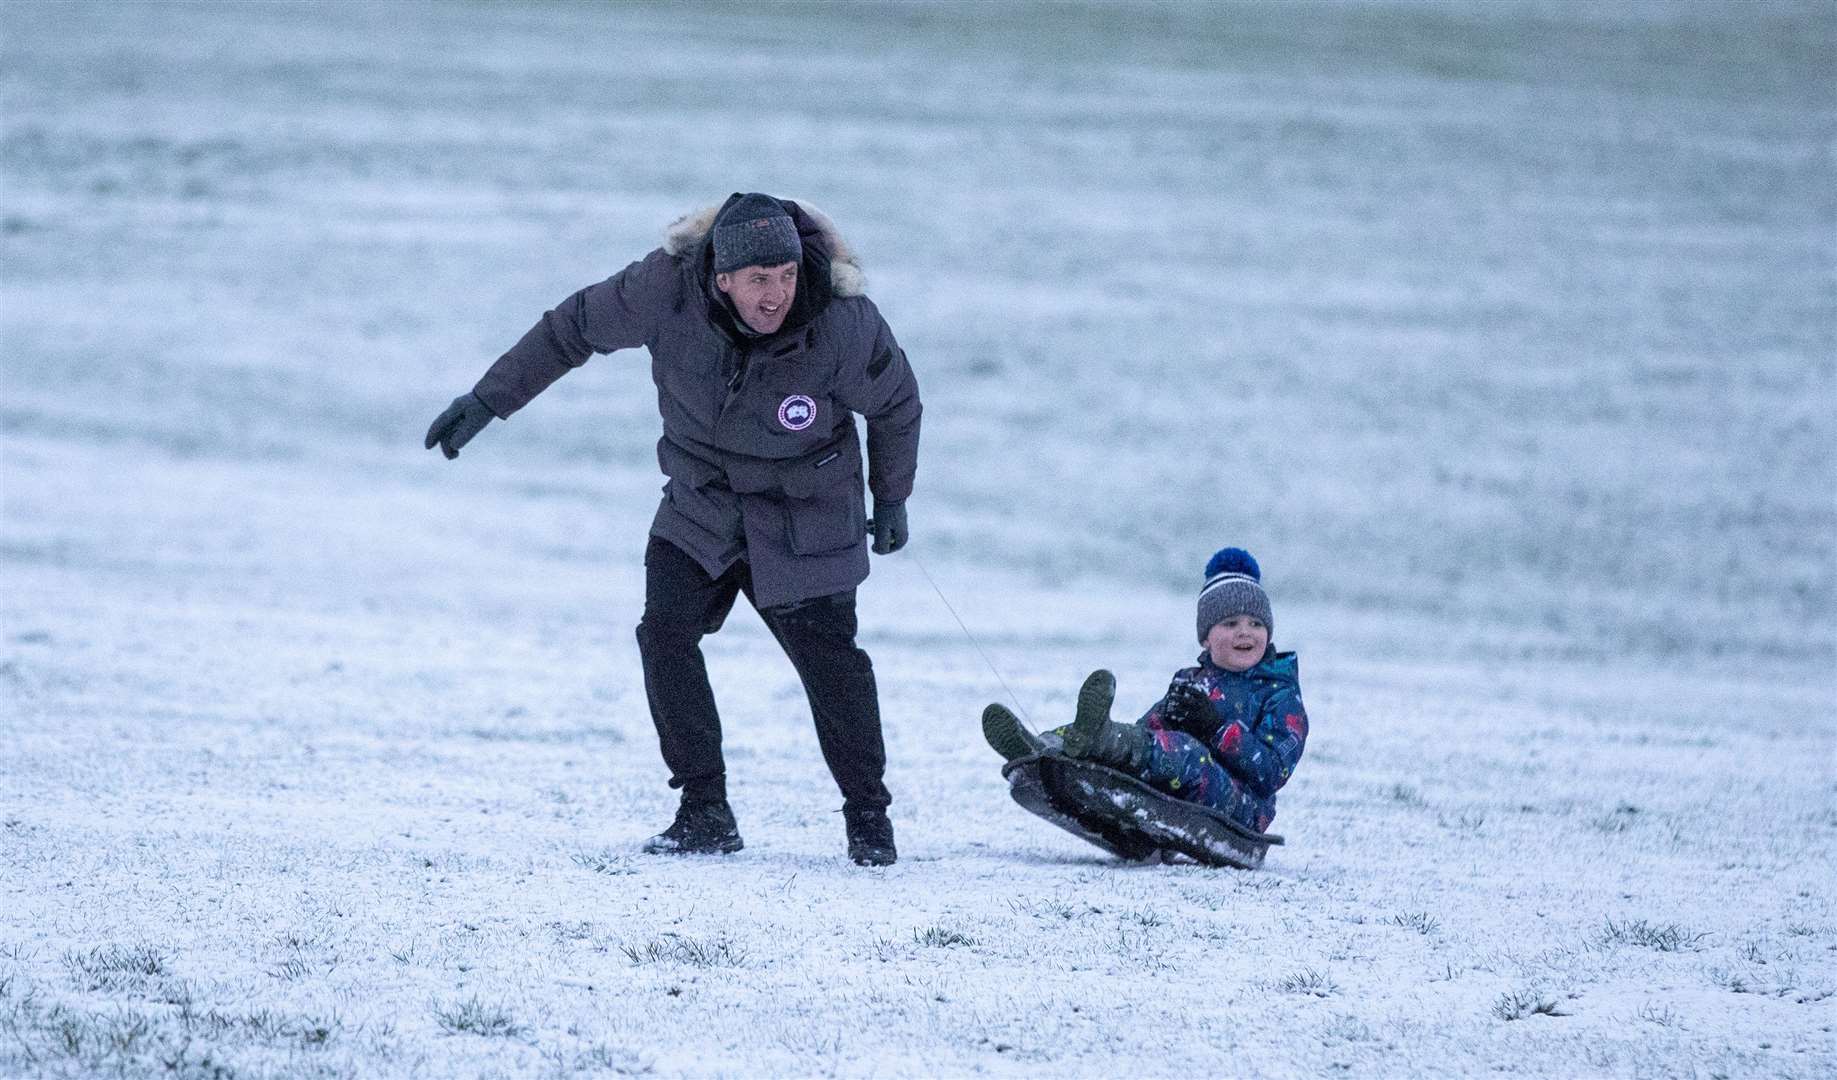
(1502, 333)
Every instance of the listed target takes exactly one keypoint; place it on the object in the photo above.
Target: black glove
(1187, 708)
(466, 417)
(889, 527)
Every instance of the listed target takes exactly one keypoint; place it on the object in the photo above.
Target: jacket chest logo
(796, 412)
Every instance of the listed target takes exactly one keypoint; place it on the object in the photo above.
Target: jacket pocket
(827, 522)
(705, 507)
(825, 509)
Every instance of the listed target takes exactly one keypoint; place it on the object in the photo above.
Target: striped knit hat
(1233, 587)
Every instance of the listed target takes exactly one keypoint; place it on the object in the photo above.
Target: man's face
(761, 294)
(1238, 643)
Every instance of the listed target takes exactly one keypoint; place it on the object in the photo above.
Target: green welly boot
(1094, 737)
(1007, 735)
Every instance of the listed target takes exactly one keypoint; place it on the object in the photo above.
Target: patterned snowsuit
(1235, 760)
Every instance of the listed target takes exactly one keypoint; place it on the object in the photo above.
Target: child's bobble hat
(1233, 587)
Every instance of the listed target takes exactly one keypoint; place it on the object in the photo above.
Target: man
(763, 348)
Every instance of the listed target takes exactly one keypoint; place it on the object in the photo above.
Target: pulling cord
(1012, 696)
(972, 639)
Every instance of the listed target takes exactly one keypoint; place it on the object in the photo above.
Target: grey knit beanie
(1233, 587)
(755, 231)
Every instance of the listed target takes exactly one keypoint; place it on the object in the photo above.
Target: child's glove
(1188, 708)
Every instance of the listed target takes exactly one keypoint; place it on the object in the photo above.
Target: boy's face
(1238, 643)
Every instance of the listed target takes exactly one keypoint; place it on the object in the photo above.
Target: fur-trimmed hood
(687, 237)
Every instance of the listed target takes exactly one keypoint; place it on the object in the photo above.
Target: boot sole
(725, 847)
(1094, 700)
(1005, 734)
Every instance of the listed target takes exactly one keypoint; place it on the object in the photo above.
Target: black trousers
(682, 604)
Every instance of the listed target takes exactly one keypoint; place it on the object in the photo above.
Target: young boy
(1227, 734)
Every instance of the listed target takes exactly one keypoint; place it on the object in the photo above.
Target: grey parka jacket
(759, 440)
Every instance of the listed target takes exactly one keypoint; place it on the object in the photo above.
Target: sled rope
(1012, 696)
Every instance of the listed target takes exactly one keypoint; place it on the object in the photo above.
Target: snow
(1502, 333)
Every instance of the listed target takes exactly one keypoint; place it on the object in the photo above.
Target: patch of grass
(1138, 949)
(605, 862)
(116, 968)
(1774, 981)
(475, 1017)
(113, 1042)
(180, 992)
(578, 930)
(1519, 1004)
(1619, 820)
(1050, 907)
(1347, 1028)
(1466, 820)
(1406, 795)
(807, 1042)
(1661, 1016)
(1735, 982)
(449, 862)
(65, 1039)
(264, 1025)
(1669, 937)
(599, 1058)
(1308, 981)
(695, 952)
(941, 937)
(290, 969)
(1420, 921)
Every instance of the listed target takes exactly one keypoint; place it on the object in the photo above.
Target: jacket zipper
(735, 380)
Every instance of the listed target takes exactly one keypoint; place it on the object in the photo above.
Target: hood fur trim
(846, 278)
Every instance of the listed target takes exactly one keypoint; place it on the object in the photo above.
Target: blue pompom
(1234, 561)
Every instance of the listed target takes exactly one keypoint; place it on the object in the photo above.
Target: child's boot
(1094, 738)
(1006, 734)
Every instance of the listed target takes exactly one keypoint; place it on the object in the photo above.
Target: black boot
(700, 828)
(870, 837)
(1093, 737)
(1007, 735)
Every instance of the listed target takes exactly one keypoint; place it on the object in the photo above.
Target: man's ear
(724, 282)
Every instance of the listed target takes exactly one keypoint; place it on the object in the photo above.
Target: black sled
(1128, 818)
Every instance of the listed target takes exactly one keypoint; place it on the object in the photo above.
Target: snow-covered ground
(1503, 333)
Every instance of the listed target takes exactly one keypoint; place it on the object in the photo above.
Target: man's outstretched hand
(466, 417)
(890, 532)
